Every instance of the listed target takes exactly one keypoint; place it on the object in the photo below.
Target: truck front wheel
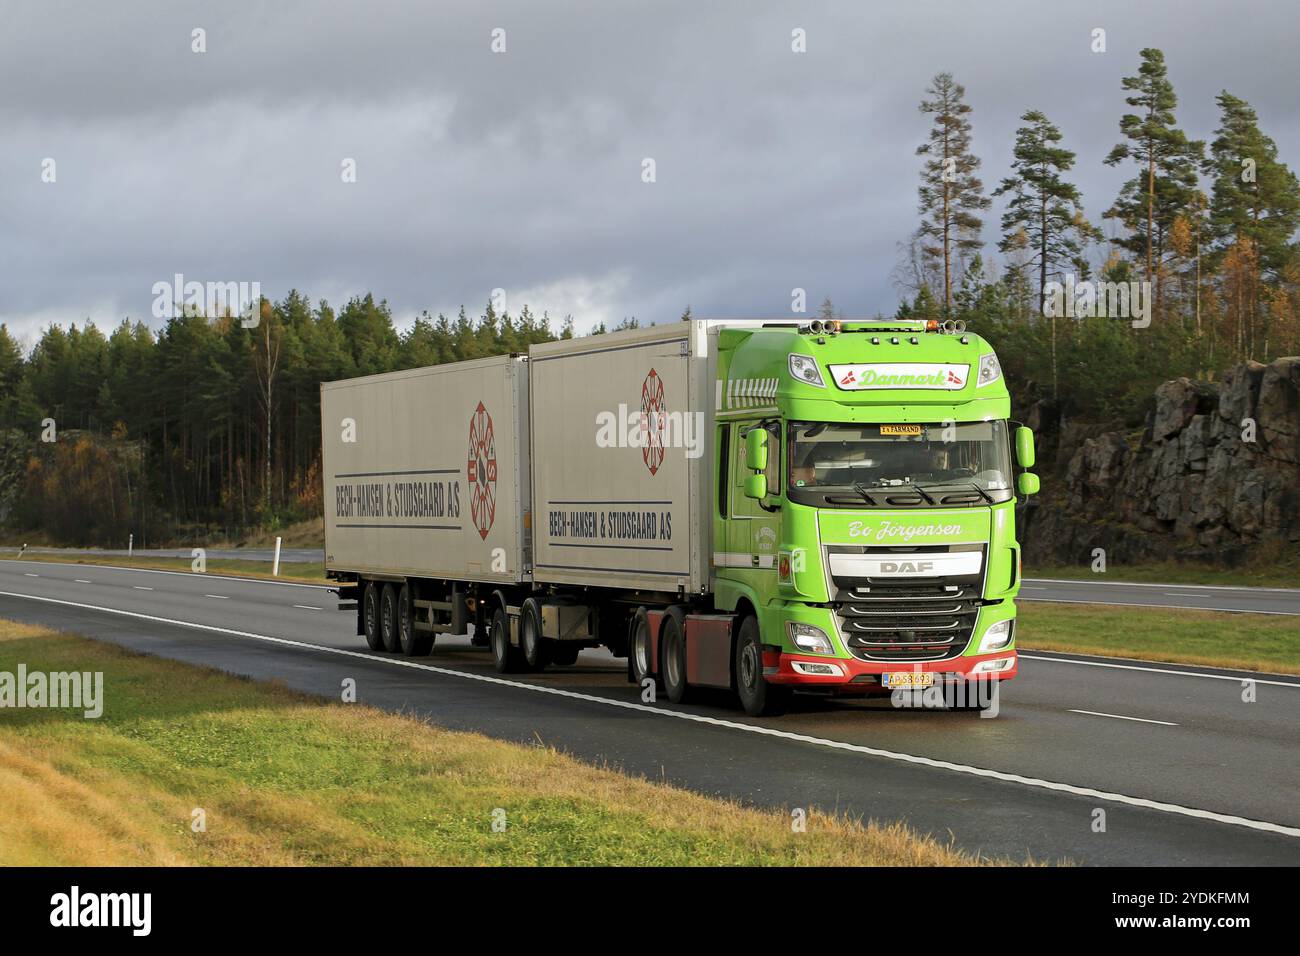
(757, 696)
(370, 616)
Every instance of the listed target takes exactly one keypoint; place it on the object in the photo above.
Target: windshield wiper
(861, 489)
(903, 485)
(965, 484)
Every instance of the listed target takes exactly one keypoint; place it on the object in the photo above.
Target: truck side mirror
(756, 452)
(756, 485)
(1027, 483)
(1025, 447)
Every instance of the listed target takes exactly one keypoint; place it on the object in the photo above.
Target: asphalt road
(1185, 771)
(1209, 598)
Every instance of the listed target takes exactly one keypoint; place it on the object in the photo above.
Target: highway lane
(1172, 734)
(1097, 591)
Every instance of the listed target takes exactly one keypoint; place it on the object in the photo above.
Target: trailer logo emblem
(482, 471)
(653, 409)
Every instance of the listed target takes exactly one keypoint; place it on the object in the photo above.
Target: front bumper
(859, 677)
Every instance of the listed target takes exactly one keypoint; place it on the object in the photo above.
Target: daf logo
(906, 567)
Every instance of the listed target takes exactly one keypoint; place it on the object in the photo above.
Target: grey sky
(522, 170)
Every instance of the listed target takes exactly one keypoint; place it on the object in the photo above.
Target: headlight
(812, 640)
(990, 370)
(803, 368)
(996, 637)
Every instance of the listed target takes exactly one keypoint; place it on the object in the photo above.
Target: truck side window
(724, 467)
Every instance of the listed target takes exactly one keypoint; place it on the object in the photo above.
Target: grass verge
(1259, 642)
(288, 779)
(1284, 573)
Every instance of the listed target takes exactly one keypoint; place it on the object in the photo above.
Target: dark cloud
(522, 170)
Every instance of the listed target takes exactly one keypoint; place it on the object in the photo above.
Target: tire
(388, 620)
(672, 656)
(505, 657)
(531, 643)
(757, 696)
(370, 616)
(638, 650)
(564, 653)
(414, 643)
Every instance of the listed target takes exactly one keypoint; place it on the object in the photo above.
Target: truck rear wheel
(757, 696)
(531, 643)
(505, 657)
(414, 643)
(370, 616)
(388, 619)
(672, 649)
(638, 651)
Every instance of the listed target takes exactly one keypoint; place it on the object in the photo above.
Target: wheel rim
(641, 647)
(672, 665)
(748, 670)
(530, 637)
(499, 640)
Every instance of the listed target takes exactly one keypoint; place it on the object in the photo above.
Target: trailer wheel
(638, 651)
(531, 643)
(388, 619)
(757, 696)
(563, 653)
(672, 649)
(414, 643)
(505, 658)
(370, 617)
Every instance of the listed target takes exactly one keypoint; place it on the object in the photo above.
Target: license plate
(907, 679)
(900, 429)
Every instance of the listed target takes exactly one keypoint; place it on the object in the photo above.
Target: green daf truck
(761, 506)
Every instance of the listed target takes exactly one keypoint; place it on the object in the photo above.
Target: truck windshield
(854, 460)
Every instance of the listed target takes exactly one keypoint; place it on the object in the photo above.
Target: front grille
(908, 620)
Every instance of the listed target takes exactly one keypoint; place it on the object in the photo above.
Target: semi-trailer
(761, 506)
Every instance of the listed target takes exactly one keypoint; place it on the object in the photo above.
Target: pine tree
(1254, 194)
(1166, 183)
(950, 193)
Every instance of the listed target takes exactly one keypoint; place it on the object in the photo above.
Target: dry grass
(286, 779)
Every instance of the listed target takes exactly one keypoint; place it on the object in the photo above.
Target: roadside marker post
(275, 569)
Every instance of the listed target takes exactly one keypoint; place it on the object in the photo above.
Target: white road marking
(219, 597)
(1167, 607)
(139, 587)
(1181, 594)
(307, 607)
(1143, 720)
(660, 711)
(81, 581)
(1026, 587)
(28, 574)
(191, 574)
(1162, 670)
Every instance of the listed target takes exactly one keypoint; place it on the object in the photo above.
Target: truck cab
(864, 525)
